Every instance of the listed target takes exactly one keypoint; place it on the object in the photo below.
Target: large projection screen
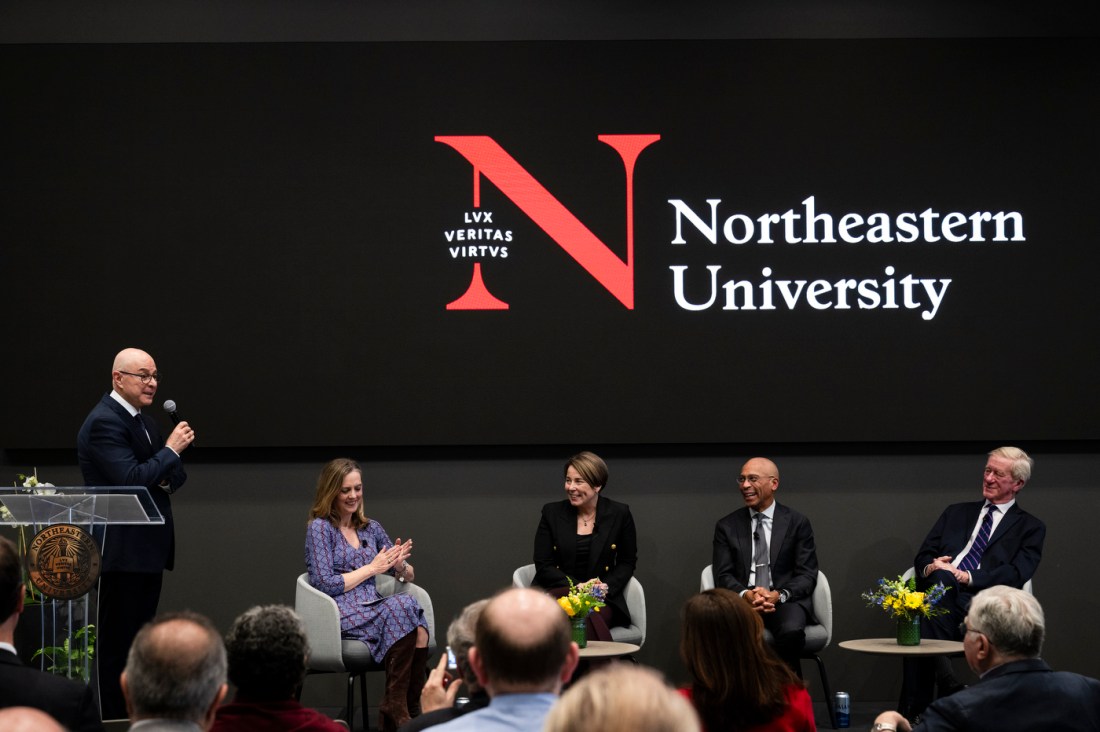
(556, 242)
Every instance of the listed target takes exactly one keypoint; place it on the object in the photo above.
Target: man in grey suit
(765, 552)
(175, 674)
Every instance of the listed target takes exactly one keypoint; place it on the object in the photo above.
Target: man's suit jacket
(792, 553)
(69, 702)
(1010, 557)
(113, 450)
(1023, 695)
(612, 556)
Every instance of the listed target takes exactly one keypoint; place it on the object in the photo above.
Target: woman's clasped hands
(394, 556)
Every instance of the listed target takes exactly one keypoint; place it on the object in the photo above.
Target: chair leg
(363, 695)
(349, 711)
(830, 702)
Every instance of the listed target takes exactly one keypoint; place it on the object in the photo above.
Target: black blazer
(612, 556)
(69, 702)
(113, 451)
(1010, 557)
(792, 552)
(1024, 695)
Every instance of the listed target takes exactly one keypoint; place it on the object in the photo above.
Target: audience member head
(11, 581)
(175, 670)
(1021, 462)
(460, 637)
(1003, 624)
(590, 466)
(329, 483)
(622, 697)
(523, 644)
(28, 719)
(737, 681)
(267, 651)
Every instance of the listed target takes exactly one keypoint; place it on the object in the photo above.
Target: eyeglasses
(964, 629)
(145, 378)
(754, 479)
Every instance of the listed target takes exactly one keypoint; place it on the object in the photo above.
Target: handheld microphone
(170, 407)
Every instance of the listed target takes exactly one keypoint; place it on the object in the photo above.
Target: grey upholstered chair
(330, 653)
(634, 595)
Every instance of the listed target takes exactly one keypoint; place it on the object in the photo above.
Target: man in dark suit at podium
(118, 445)
(69, 702)
(765, 552)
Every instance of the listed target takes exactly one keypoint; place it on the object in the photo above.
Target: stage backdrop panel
(556, 242)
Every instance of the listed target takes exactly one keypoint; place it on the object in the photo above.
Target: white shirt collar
(125, 404)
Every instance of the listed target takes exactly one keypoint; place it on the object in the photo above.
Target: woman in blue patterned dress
(345, 550)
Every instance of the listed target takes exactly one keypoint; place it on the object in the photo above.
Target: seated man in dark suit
(1002, 639)
(765, 552)
(69, 702)
(973, 546)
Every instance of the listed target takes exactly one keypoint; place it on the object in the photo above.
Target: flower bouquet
(582, 600)
(900, 600)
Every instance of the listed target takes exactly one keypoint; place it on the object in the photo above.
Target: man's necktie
(974, 557)
(141, 426)
(760, 554)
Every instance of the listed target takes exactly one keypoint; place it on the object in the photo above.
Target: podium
(61, 627)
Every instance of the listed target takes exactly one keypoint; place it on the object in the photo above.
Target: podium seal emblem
(63, 561)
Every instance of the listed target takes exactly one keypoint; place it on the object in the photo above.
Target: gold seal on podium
(63, 561)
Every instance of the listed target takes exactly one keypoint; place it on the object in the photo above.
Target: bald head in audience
(27, 719)
(523, 645)
(175, 670)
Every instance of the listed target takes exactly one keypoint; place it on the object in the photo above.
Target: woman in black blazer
(587, 536)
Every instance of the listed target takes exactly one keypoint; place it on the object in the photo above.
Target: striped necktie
(974, 557)
(760, 554)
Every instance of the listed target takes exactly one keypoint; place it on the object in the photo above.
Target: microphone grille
(169, 406)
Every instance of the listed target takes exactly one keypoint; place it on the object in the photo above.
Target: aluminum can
(843, 709)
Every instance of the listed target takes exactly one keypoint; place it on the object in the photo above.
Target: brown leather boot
(393, 711)
(418, 676)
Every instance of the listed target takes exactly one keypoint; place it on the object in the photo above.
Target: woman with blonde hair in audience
(738, 683)
(621, 697)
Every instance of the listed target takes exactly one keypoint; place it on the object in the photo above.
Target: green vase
(909, 631)
(580, 631)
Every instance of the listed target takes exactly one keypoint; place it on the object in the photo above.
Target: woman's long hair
(329, 483)
(737, 681)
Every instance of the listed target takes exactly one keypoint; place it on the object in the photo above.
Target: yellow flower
(566, 606)
(914, 600)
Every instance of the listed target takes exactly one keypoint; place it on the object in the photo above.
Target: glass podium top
(47, 505)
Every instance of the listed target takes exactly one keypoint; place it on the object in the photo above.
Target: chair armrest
(321, 617)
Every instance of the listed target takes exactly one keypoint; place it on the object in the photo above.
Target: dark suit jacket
(1023, 695)
(69, 702)
(612, 556)
(792, 553)
(113, 451)
(1010, 557)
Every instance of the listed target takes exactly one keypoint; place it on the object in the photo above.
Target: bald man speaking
(118, 445)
